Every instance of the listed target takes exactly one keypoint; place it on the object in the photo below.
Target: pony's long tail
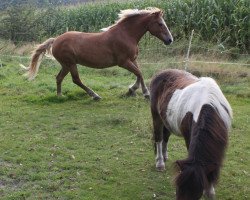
(37, 56)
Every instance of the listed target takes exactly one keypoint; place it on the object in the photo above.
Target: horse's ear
(158, 13)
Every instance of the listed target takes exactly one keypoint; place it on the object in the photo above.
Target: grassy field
(75, 148)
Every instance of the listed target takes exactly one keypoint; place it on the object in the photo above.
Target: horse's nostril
(168, 41)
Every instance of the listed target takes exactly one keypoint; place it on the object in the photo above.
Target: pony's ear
(211, 167)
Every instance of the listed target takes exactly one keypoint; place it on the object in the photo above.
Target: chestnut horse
(195, 109)
(116, 45)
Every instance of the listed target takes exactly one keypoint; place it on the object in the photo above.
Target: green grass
(75, 148)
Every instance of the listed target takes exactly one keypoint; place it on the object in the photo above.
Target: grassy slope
(75, 148)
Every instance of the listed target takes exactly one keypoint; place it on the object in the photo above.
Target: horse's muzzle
(168, 41)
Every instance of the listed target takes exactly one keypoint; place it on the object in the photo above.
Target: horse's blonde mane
(124, 14)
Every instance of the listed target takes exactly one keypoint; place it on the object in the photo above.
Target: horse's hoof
(130, 93)
(96, 98)
(147, 96)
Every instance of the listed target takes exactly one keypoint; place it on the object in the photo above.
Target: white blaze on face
(164, 23)
(192, 98)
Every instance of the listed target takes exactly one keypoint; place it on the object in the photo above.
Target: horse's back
(89, 49)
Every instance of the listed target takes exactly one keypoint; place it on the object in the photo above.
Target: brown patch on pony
(162, 87)
(186, 127)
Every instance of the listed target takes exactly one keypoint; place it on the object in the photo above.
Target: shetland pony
(195, 109)
(116, 45)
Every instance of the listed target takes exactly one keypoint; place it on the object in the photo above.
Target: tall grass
(219, 21)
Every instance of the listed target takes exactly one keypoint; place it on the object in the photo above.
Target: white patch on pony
(192, 98)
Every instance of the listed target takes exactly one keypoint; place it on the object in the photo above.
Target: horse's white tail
(37, 58)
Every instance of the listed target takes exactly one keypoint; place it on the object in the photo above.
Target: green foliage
(219, 21)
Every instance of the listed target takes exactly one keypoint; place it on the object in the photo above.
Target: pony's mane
(208, 143)
(125, 14)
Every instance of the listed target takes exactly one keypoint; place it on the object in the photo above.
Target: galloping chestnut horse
(195, 109)
(116, 45)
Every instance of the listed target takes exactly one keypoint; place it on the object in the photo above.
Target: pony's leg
(59, 78)
(209, 194)
(129, 65)
(77, 81)
(166, 134)
(160, 165)
(158, 133)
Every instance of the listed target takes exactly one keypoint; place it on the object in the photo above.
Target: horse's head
(158, 27)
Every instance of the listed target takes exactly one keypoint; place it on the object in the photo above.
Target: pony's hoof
(210, 197)
(160, 168)
(96, 98)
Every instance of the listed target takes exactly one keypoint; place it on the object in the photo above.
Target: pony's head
(191, 180)
(158, 27)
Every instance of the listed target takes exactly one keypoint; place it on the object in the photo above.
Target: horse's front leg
(134, 87)
(209, 193)
(144, 88)
(133, 67)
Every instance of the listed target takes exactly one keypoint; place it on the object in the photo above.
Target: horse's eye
(160, 24)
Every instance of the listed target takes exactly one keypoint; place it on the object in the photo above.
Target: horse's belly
(87, 49)
(95, 63)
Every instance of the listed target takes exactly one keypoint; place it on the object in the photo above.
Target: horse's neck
(135, 28)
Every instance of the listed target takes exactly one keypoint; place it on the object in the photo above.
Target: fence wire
(157, 55)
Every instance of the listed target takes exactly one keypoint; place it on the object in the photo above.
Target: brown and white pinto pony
(116, 45)
(195, 109)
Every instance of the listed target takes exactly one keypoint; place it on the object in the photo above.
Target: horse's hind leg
(76, 79)
(166, 134)
(59, 78)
